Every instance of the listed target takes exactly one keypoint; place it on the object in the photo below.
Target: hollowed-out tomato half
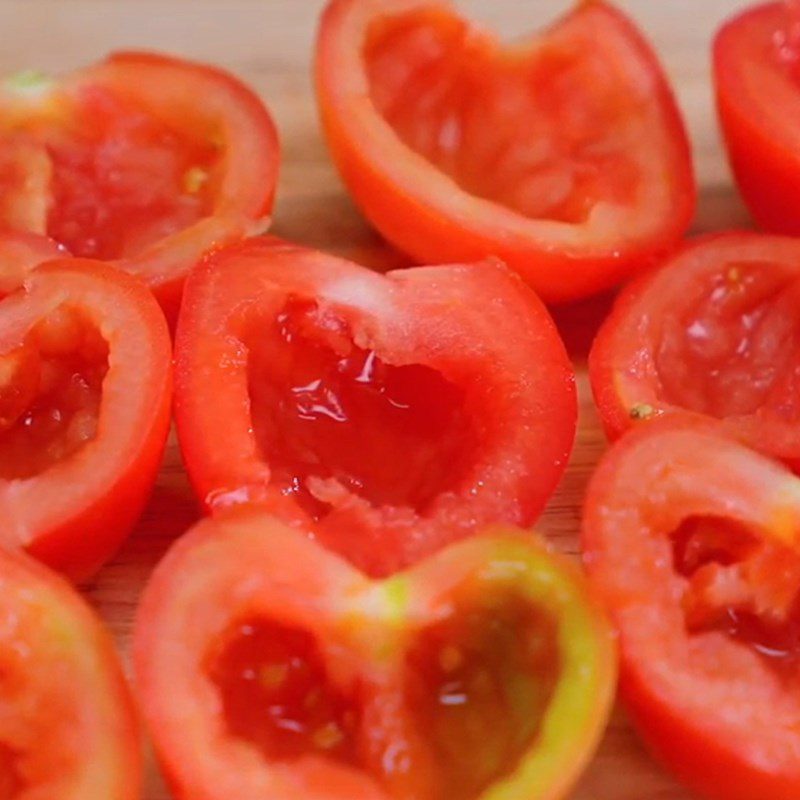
(269, 667)
(714, 332)
(563, 154)
(142, 160)
(68, 728)
(757, 78)
(691, 542)
(388, 414)
(85, 388)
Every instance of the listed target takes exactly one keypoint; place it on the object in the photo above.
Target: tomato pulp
(757, 81)
(565, 155)
(691, 542)
(714, 332)
(268, 666)
(68, 728)
(386, 414)
(85, 389)
(119, 162)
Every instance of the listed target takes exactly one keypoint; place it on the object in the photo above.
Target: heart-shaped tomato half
(564, 153)
(388, 414)
(692, 541)
(270, 667)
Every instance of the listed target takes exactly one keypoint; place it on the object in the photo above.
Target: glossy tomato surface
(756, 57)
(563, 154)
(142, 160)
(387, 414)
(714, 332)
(691, 541)
(85, 389)
(270, 667)
(68, 727)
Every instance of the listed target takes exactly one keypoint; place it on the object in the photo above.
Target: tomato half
(756, 57)
(714, 332)
(269, 667)
(68, 728)
(386, 414)
(565, 155)
(85, 389)
(120, 162)
(691, 541)
(20, 252)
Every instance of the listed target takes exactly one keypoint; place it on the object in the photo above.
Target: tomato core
(466, 701)
(112, 178)
(547, 134)
(50, 393)
(741, 584)
(330, 415)
(733, 350)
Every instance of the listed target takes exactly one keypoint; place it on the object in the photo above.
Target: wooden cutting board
(268, 43)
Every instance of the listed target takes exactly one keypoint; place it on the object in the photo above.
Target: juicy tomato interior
(741, 584)
(50, 393)
(11, 783)
(325, 410)
(547, 135)
(734, 349)
(110, 178)
(473, 690)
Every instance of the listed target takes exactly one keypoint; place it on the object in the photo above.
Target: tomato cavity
(331, 416)
(741, 584)
(50, 393)
(734, 349)
(276, 693)
(466, 702)
(110, 178)
(478, 685)
(548, 135)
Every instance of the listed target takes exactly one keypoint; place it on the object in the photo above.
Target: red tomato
(120, 162)
(714, 332)
(68, 727)
(85, 386)
(20, 252)
(691, 541)
(756, 57)
(386, 414)
(565, 156)
(268, 667)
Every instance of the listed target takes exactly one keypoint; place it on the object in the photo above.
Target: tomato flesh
(547, 136)
(119, 178)
(741, 584)
(50, 395)
(733, 350)
(474, 688)
(329, 414)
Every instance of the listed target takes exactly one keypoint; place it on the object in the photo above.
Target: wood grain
(268, 43)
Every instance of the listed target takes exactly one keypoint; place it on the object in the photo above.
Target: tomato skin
(75, 514)
(703, 702)
(629, 381)
(758, 108)
(505, 360)
(70, 721)
(231, 114)
(425, 214)
(244, 564)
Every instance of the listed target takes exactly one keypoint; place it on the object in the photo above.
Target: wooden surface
(268, 43)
